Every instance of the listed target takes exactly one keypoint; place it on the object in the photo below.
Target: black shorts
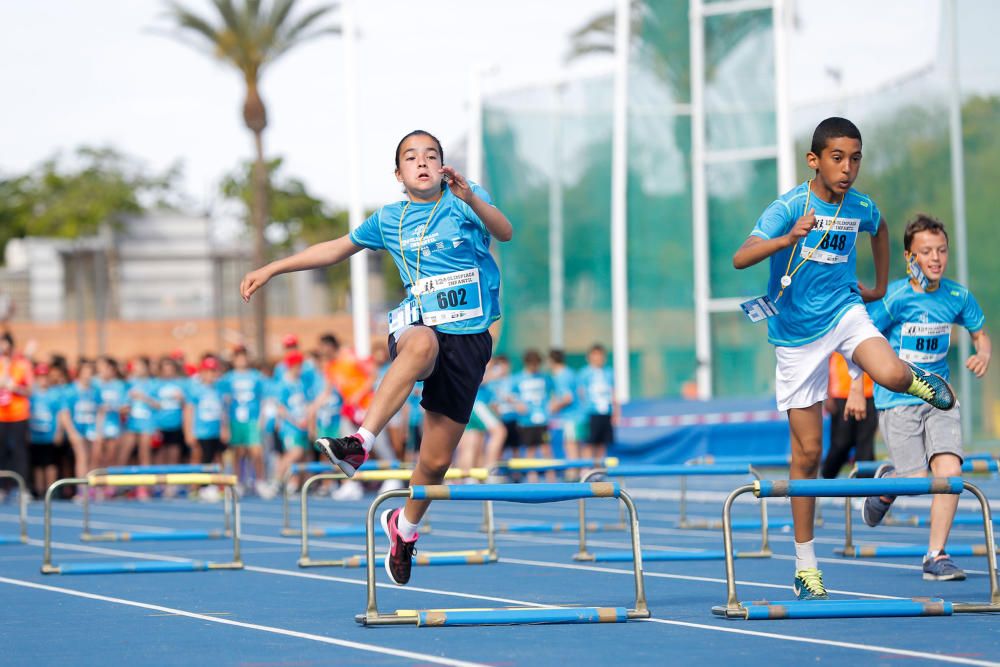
(601, 431)
(533, 436)
(513, 440)
(451, 387)
(210, 448)
(172, 437)
(42, 454)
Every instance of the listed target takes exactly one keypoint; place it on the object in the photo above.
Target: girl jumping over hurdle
(439, 237)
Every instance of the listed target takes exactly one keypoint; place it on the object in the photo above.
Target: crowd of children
(102, 412)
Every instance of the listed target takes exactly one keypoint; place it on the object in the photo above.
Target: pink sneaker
(399, 560)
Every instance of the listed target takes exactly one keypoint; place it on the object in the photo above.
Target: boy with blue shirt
(596, 389)
(170, 396)
(533, 390)
(243, 389)
(816, 307)
(204, 415)
(564, 407)
(916, 316)
(45, 428)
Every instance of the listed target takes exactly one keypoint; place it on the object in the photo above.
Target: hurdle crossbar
(520, 493)
(837, 488)
(149, 536)
(850, 550)
(471, 557)
(22, 508)
(682, 471)
(228, 482)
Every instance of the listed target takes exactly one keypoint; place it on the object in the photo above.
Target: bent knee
(946, 465)
(420, 344)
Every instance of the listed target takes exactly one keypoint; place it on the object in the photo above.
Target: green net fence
(548, 161)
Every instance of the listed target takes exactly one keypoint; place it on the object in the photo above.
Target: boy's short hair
(532, 357)
(922, 223)
(597, 347)
(501, 358)
(833, 128)
(557, 356)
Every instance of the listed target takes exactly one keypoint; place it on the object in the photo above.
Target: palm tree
(251, 37)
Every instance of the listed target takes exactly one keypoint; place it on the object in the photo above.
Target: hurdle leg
(47, 567)
(682, 522)
(765, 547)
(371, 611)
(732, 608)
(991, 556)
(641, 607)
(583, 554)
(22, 501)
(237, 556)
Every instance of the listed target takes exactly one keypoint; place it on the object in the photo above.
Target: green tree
(72, 197)
(251, 37)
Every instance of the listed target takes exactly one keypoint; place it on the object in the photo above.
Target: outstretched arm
(496, 222)
(880, 253)
(756, 249)
(313, 257)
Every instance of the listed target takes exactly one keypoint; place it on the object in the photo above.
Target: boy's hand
(978, 363)
(253, 281)
(459, 186)
(868, 295)
(802, 227)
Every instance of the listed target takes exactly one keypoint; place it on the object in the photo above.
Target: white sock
(407, 530)
(367, 438)
(932, 554)
(805, 555)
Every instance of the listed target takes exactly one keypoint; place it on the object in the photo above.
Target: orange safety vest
(840, 378)
(14, 407)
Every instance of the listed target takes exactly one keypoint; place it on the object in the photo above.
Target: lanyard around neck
(786, 279)
(420, 242)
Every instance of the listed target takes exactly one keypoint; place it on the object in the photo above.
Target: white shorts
(802, 374)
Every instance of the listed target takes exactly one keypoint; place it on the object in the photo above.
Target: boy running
(917, 315)
(809, 234)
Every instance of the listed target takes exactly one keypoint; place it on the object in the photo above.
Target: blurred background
(152, 152)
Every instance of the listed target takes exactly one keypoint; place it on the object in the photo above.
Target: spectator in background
(243, 391)
(114, 396)
(853, 420)
(140, 426)
(83, 400)
(294, 397)
(533, 392)
(205, 423)
(564, 407)
(596, 390)
(503, 400)
(354, 379)
(307, 369)
(47, 407)
(16, 382)
(170, 396)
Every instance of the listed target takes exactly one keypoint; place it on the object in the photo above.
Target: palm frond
(292, 33)
(279, 12)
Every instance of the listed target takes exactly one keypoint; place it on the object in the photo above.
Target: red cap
(177, 354)
(42, 369)
(209, 364)
(294, 358)
(290, 340)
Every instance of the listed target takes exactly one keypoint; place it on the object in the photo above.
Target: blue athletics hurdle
(518, 493)
(563, 466)
(96, 481)
(161, 535)
(866, 469)
(319, 467)
(682, 471)
(835, 488)
(22, 509)
(465, 557)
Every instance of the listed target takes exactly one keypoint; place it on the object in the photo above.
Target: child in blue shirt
(171, 396)
(243, 388)
(439, 237)
(205, 421)
(82, 400)
(45, 428)
(916, 316)
(293, 403)
(596, 390)
(565, 407)
(809, 234)
(140, 426)
(113, 391)
(533, 390)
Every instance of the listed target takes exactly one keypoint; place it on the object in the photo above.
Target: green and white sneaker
(808, 585)
(931, 387)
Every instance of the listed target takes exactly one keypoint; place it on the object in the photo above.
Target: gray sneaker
(875, 507)
(942, 568)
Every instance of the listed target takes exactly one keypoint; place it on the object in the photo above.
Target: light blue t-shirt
(595, 387)
(308, 373)
(534, 390)
(114, 396)
(328, 413)
(564, 386)
(456, 240)
(243, 391)
(918, 326)
(825, 286)
(82, 402)
(502, 398)
(170, 394)
(46, 404)
(141, 415)
(207, 402)
(295, 396)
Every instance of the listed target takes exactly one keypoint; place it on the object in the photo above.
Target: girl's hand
(253, 281)
(459, 186)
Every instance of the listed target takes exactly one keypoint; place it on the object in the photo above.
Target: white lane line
(795, 638)
(409, 655)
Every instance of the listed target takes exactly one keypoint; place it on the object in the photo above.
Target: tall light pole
(619, 203)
